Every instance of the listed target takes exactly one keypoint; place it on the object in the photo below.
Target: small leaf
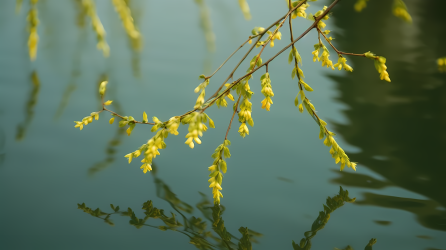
(226, 152)
(144, 117)
(223, 166)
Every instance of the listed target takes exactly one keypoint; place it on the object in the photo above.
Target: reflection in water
(75, 72)
(136, 44)
(331, 205)
(360, 180)
(383, 222)
(29, 112)
(2, 146)
(196, 228)
(402, 121)
(206, 26)
(426, 210)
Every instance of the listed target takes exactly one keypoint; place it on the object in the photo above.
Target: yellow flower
(146, 167)
(130, 156)
(79, 125)
(108, 102)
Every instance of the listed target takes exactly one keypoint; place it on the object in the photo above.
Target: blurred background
(278, 177)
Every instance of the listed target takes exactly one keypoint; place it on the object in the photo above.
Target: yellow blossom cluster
(360, 5)
(299, 11)
(336, 151)
(342, 63)
(218, 166)
(201, 86)
(221, 102)
(321, 25)
(315, 53)
(150, 150)
(33, 22)
(244, 115)
(196, 128)
(267, 91)
(173, 124)
(380, 65)
(86, 120)
(273, 36)
(90, 9)
(128, 23)
(324, 58)
(400, 10)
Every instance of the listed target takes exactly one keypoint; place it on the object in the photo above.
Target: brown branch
(235, 111)
(337, 51)
(122, 117)
(276, 55)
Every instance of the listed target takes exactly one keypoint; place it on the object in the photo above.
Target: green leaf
(226, 152)
(202, 76)
(223, 166)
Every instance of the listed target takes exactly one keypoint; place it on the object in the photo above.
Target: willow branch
(122, 117)
(235, 111)
(296, 64)
(337, 51)
(317, 19)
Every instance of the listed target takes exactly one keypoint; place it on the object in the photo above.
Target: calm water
(278, 177)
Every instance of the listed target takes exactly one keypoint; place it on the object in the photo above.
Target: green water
(278, 177)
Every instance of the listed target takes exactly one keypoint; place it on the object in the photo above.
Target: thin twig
(122, 117)
(337, 51)
(235, 111)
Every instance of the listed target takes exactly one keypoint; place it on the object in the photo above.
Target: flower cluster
(218, 166)
(267, 91)
(276, 35)
(336, 151)
(196, 127)
(202, 86)
(325, 60)
(221, 102)
(33, 22)
(380, 65)
(400, 10)
(299, 11)
(127, 21)
(90, 9)
(244, 115)
(86, 120)
(150, 150)
(321, 25)
(173, 124)
(342, 63)
(441, 62)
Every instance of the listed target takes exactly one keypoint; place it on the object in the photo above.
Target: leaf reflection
(196, 228)
(30, 105)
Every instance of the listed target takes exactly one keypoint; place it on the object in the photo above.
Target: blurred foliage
(29, 107)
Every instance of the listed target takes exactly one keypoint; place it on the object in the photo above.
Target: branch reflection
(196, 228)
(30, 105)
